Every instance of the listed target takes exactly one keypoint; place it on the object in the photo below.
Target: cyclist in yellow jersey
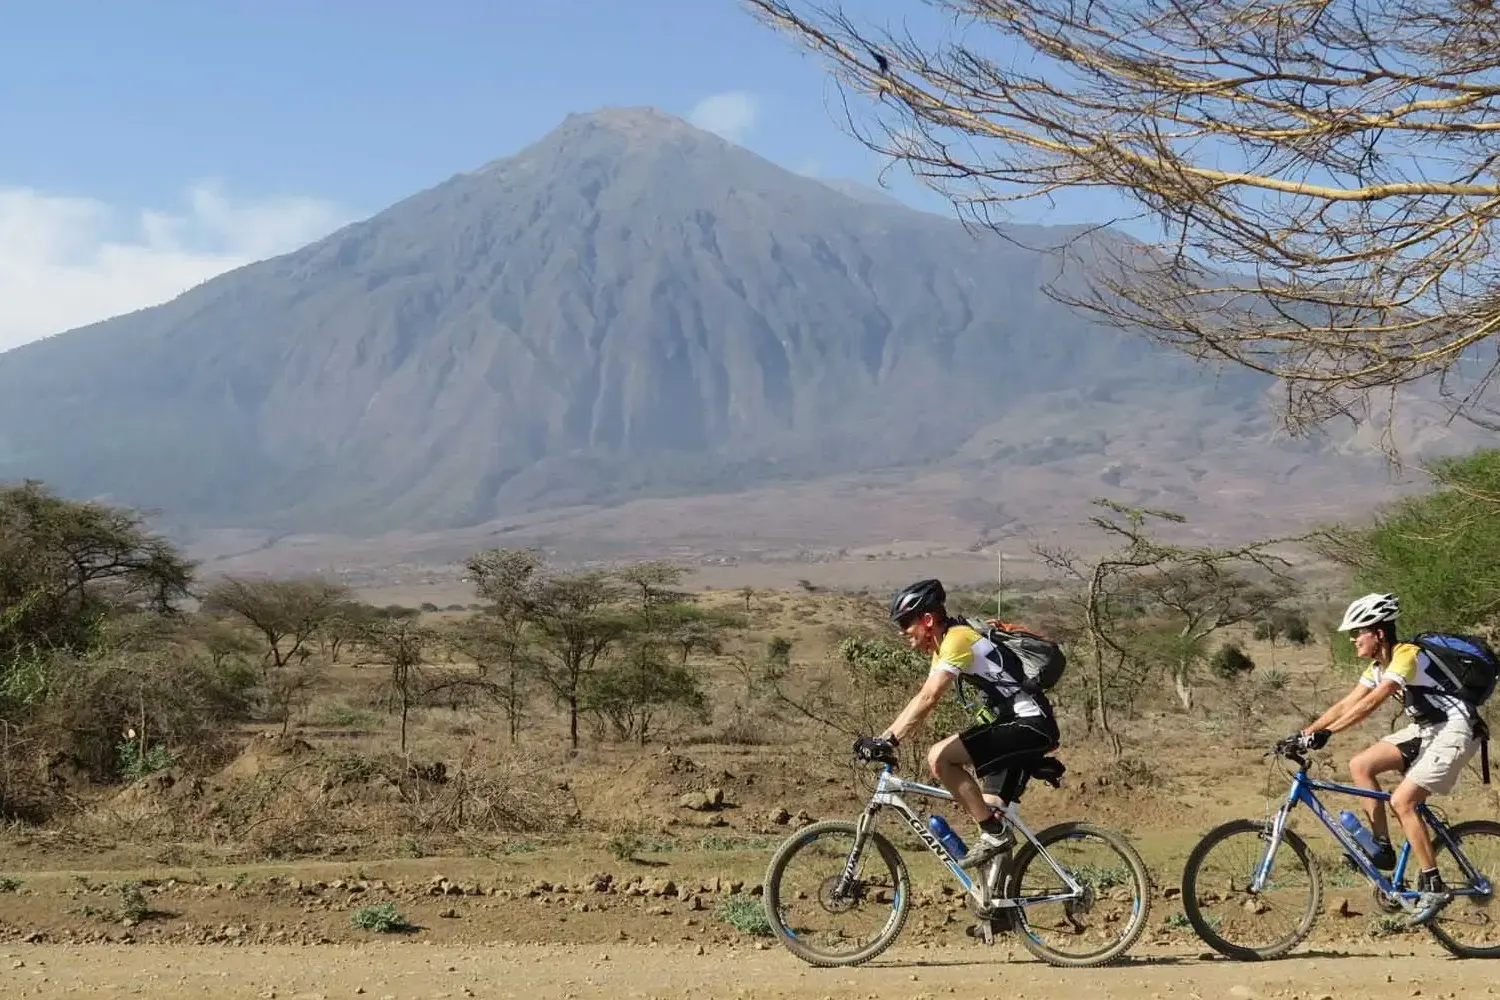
(1023, 724)
(1430, 752)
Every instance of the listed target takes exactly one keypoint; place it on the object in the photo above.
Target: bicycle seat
(1010, 781)
(1049, 769)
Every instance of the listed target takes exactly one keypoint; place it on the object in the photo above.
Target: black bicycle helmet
(924, 595)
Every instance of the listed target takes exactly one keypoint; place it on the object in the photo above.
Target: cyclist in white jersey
(1430, 752)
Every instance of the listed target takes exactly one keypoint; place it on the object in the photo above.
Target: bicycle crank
(988, 921)
(1386, 901)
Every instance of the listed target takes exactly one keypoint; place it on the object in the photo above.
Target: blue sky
(368, 101)
(145, 146)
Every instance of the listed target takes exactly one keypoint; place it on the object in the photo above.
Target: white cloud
(67, 261)
(731, 115)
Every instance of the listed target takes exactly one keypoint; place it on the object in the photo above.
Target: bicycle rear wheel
(802, 909)
(1470, 915)
(1227, 915)
(1097, 927)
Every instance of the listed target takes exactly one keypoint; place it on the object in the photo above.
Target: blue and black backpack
(1466, 667)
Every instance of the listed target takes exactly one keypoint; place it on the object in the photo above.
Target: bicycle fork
(1273, 841)
(861, 834)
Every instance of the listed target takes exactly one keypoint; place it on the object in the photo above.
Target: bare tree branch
(1203, 589)
(1323, 175)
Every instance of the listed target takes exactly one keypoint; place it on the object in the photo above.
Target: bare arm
(1363, 707)
(921, 704)
(1338, 708)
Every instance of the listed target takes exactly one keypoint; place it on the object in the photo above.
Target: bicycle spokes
(830, 906)
(1085, 895)
(1470, 925)
(1220, 899)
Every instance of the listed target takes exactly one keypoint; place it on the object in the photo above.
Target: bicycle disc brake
(852, 897)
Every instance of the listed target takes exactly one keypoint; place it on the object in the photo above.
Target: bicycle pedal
(981, 930)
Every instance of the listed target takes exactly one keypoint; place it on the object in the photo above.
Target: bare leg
(950, 765)
(1375, 759)
(1404, 802)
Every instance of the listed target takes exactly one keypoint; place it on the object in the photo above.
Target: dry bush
(25, 794)
(165, 696)
(740, 729)
(492, 790)
(284, 798)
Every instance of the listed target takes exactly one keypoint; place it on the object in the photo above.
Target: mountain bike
(1225, 907)
(1117, 895)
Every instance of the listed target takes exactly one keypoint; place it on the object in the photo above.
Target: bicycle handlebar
(1289, 748)
(889, 757)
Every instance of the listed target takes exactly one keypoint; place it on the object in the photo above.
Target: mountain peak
(631, 306)
(639, 124)
(618, 129)
(642, 117)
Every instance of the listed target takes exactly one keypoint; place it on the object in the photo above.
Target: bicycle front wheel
(812, 918)
(1091, 928)
(1229, 917)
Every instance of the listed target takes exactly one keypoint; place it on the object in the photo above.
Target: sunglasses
(905, 624)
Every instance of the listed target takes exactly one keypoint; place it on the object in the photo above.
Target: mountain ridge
(627, 307)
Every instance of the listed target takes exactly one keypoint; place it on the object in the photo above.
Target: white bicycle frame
(888, 792)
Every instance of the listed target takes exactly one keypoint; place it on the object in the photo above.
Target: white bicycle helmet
(1372, 609)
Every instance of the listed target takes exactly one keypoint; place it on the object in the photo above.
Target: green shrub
(383, 919)
(744, 914)
(1229, 660)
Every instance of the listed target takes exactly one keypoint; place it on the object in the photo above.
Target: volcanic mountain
(629, 307)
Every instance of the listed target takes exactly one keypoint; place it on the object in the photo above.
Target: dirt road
(407, 971)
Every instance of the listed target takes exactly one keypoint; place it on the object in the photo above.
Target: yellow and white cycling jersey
(969, 655)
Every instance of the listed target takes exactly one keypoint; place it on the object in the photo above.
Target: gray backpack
(1040, 660)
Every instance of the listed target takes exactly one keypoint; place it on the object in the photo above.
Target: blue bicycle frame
(1303, 792)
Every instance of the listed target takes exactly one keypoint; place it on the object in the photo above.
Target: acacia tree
(286, 613)
(345, 624)
(1202, 593)
(632, 695)
(1439, 551)
(1142, 574)
(759, 704)
(571, 620)
(401, 645)
(576, 624)
(653, 676)
(654, 580)
(497, 640)
(66, 566)
(225, 644)
(502, 661)
(1322, 175)
(92, 646)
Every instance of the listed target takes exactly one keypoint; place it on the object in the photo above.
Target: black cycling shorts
(993, 746)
